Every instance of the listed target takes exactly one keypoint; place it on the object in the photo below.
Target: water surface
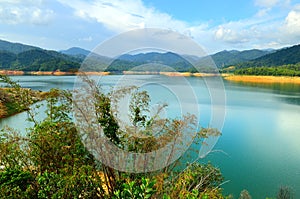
(260, 138)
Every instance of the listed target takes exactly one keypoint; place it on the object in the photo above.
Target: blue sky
(215, 25)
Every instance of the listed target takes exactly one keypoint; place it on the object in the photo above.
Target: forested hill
(159, 62)
(76, 52)
(283, 62)
(227, 58)
(15, 47)
(280, 57)
(38, 60)
(15, 56)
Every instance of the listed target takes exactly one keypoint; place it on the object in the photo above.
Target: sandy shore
(57, 73)
(230, 77)
(11, 72)
(171, 74)
(262, 79)
(60, 73)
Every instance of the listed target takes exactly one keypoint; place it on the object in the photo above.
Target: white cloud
(261, 30)
(275, 24)
(266, 3)
(24, 12)
(230, 35)
(122, 15)
(292, 22)
(86, 39)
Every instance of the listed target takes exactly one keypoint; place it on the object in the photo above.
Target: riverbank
(229, 77)
(62, 73)
(56, 73)
(262, 79)
(11, 100)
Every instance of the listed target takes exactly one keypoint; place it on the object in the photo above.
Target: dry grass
(263, 79)
(11, 72)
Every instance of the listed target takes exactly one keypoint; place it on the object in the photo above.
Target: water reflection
(285, 92)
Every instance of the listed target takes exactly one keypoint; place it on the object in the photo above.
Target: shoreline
(9, 106)
(262, 79)
(229, 77)
(61, 73)
(56, 73)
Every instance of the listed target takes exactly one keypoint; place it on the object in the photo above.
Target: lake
(259, 148)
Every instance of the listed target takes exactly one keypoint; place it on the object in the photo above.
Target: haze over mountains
(15, 56)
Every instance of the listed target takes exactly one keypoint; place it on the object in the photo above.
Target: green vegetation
(251, 62)
(228, 58)
(283, 62)
(17, 99)
(15, 48)
(280, 57)
(50, 161)
(139, 62)
(37, 60)
(284, 193)
(285, 70)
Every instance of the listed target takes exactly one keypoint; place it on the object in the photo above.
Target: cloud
(230, 35)
(122, 15)
(24, 12)
(292, 22)
(275, 23)
(86, 39)
(266, 3)
(263, 30)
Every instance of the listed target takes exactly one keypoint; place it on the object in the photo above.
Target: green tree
(51, 161)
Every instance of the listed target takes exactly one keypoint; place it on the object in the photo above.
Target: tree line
(285, 70)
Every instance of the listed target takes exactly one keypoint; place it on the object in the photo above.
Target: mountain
(285, 56)
(6, 59)
(15, 56)
(227, 58)
(37, 60)
(76, 52)
(15, 47)
(152, 61)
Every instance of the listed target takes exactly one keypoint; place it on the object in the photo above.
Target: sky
(215, 25)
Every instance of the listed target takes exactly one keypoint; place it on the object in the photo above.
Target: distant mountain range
(76, 52)
(227, 58)
(16, 56)
(285, 56)
(15, 47)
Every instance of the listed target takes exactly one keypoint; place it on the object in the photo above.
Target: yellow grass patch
(263, 79)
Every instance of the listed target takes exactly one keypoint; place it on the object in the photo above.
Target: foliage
(83, 183)
(14, 47)
(227, 58)
(38, 60)
(15, 182)
(135, 189)
(245, 195)
(15, 99)
(136, 62)
(197, 181)
(50, 161)
(280, 57)
(285, 70)
(284, 193)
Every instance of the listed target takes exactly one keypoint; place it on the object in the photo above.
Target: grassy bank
(10, 100)
(262, 79)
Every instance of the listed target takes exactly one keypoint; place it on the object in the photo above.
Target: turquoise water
(259, 148)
